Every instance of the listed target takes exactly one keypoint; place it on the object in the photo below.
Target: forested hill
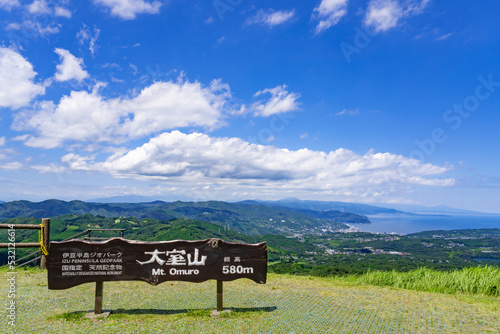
(148, 229)
(252, 219)
(358, 208)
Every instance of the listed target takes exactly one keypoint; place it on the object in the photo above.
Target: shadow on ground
(185, 311)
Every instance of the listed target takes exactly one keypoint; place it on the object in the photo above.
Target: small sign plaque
(74, 262)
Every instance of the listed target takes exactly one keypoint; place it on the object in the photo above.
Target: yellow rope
(40, 240)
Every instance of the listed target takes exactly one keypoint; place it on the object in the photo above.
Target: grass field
(286, 304)
(473, 280)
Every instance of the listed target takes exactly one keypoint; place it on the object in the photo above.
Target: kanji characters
(176, 258)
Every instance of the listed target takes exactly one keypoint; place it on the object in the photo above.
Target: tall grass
(473, 280)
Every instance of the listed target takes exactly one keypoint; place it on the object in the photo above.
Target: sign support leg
(219, 296)
(98, 298)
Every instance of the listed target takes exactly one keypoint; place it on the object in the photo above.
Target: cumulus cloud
(281, 101)
(2, 141)
(271, 18)
(9, 4)
(39, 6)
(61, 11)
(70, 67)
(200, 159)
(17, 87)
(89, 117)
(383, 15)
(329, 13)
(128, 9)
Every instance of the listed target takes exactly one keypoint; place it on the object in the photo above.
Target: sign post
(219, 296)
(74, 262)
(98, 298)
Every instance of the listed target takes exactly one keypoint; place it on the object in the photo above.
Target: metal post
(46, 242)
(98, 298)
(219, 296)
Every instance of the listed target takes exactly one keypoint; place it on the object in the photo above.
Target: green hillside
(318, 254)
(149, 229)
(243, 218)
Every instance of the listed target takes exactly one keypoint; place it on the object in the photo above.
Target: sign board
(74, 262)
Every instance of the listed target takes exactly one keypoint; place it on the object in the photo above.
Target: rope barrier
(40, 240)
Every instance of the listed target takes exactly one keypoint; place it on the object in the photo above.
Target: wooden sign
(74, 262)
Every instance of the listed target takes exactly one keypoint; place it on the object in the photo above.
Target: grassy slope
(473, 280)
(286, 304)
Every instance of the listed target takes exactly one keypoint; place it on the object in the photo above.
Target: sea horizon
(407, 224)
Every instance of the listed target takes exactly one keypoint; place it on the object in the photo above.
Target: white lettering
(158, 272)
(236, 270)
(176, 272)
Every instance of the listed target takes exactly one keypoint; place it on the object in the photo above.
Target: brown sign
(74, 262)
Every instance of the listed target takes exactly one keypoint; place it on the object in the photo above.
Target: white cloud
(2, 141)
(168, 105)
(85, 35)
(444, 37)
(197, 159)
(13, 26)
(329, 13)
(39, 6)
(17, 88)
(281, 101)
(383, 15)
(50, 168)
(70, 67)
(128, 9)
(351, 112)
(272, 18)
(9, 4)
(11, 166)
(61, 11)
(37, 27)
(414, 7)
(42, 27)
(89, 117)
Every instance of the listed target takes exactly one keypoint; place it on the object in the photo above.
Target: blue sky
(380, 101)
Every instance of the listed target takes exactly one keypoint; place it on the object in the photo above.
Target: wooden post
(219, 296)
(46, 242)
(98, 298)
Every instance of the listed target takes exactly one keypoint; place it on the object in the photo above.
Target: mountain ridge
(253, 219)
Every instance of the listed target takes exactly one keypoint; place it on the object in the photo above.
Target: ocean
(403, 224)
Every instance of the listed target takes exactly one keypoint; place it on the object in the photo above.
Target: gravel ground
(286, 304)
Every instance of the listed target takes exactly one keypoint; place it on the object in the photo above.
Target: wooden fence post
(46, 242)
